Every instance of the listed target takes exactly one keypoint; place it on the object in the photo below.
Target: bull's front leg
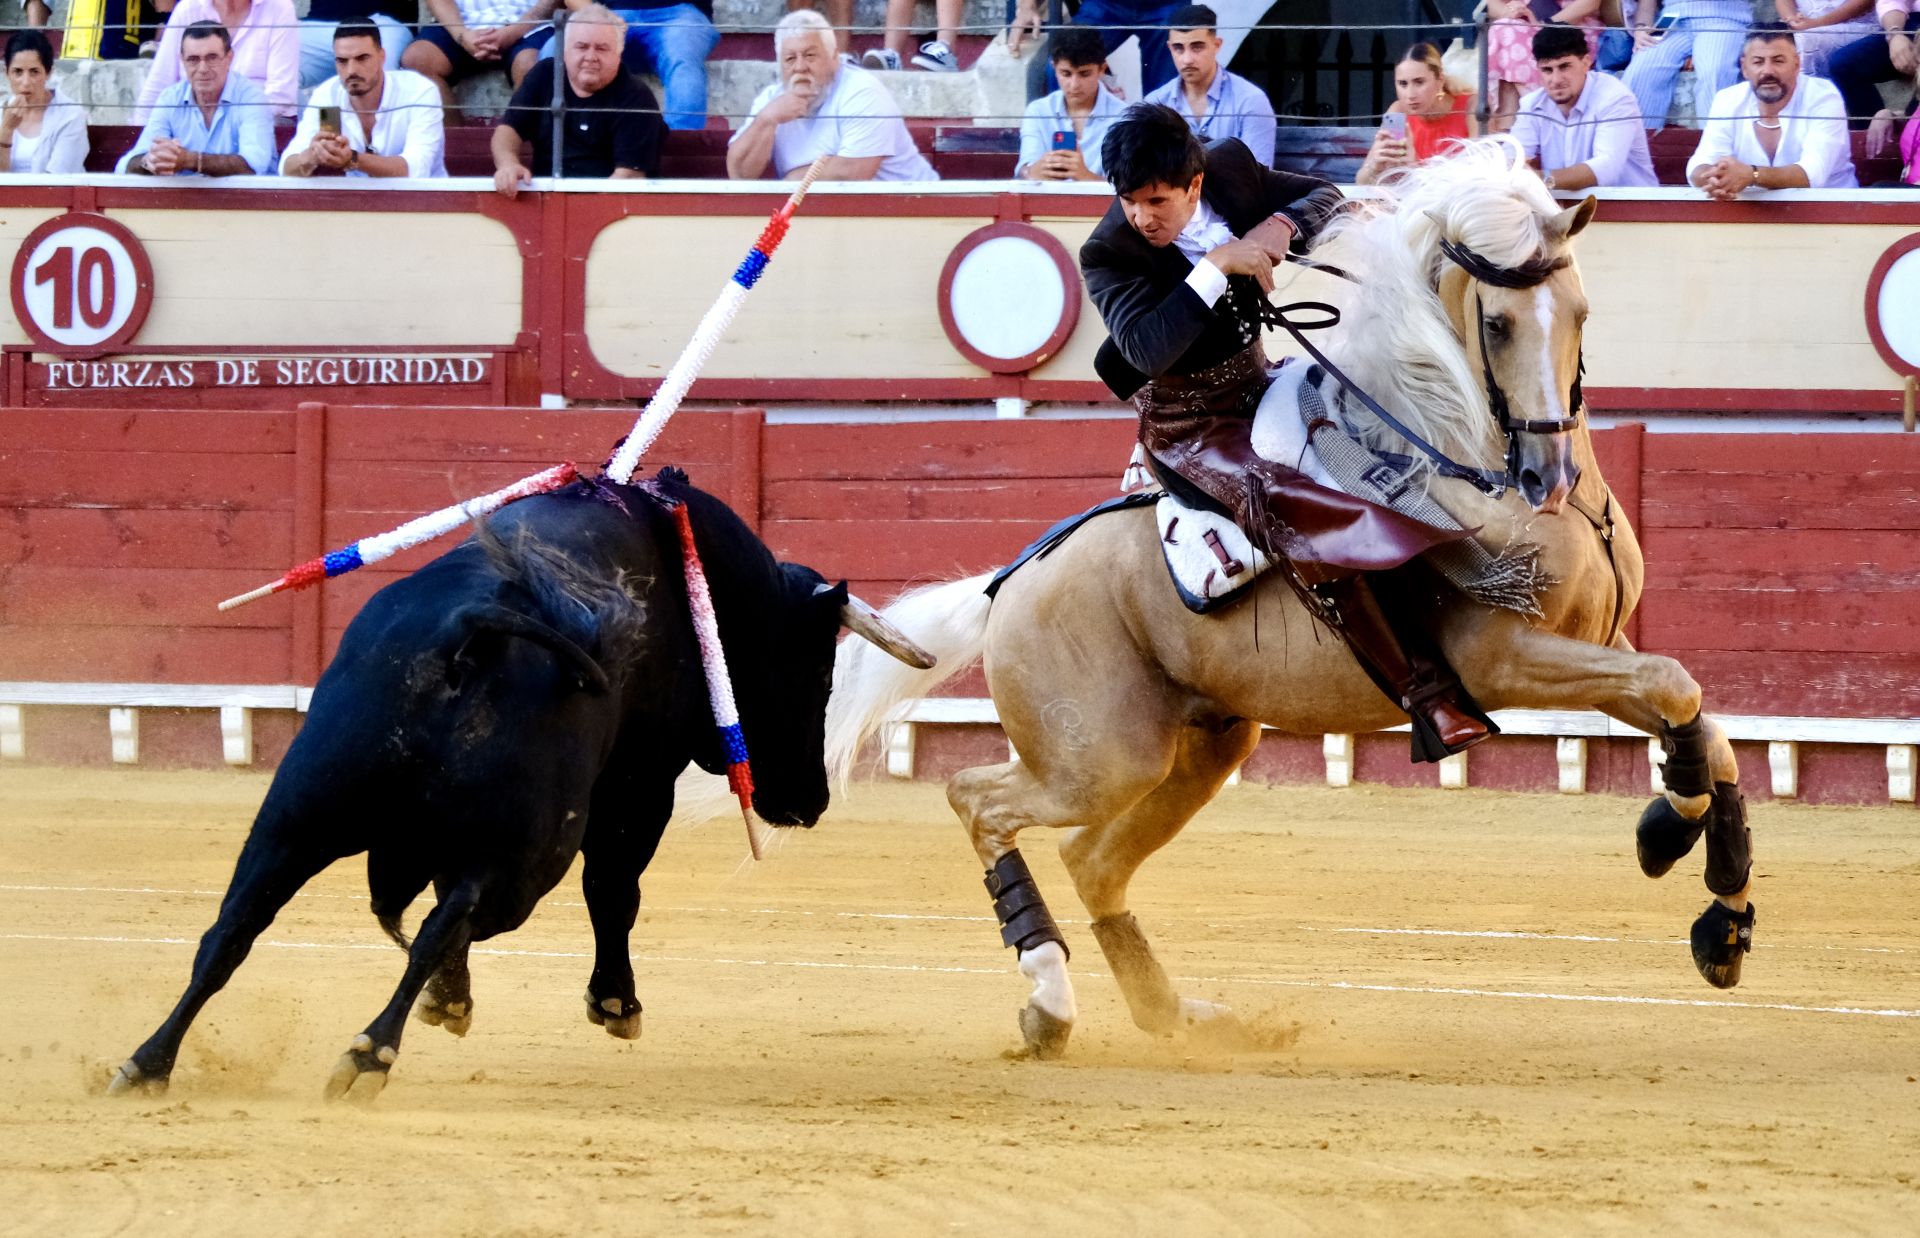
(1520, 666)
(619, 845)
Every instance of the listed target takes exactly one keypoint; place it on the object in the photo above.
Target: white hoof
(455, 1017)
(1047, 1019)
(1213, 1026)
(128, 1080)
(361, 1072)
(1045, 1035)
(606, 1013)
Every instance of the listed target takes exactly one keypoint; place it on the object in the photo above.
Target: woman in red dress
(1436, 109)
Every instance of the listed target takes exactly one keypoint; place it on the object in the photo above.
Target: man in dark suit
(1179, 268)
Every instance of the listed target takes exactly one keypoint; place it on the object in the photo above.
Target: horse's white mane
(1395, 339)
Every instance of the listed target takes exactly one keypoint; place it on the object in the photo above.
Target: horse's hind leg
(1102, 860)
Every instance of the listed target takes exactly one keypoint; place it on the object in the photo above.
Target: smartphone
(330, 120)
(1663, 25)
(1395, 123)
(1065, 139)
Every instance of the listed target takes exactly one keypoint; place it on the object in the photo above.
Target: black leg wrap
(1721, 941)
(1686, 772)
(1025, 921)
(1729, 841)
(1143, 982)
(1664, 837)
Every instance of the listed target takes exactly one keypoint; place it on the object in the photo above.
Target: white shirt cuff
(1206, 280)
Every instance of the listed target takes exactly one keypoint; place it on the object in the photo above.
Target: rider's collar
(1531, 273)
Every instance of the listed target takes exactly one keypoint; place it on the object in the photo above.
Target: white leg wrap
(1046, 966)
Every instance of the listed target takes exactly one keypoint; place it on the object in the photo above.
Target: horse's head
(1520, 323)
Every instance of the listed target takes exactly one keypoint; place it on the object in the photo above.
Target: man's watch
(353, 160)
(1547, 180)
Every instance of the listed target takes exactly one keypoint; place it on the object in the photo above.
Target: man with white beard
(1777, 130)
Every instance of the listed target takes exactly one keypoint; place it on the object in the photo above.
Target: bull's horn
(864, 621)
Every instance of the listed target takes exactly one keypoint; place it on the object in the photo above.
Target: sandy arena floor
(1475, 1017)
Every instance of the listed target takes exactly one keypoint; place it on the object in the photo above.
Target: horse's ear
(1568, 223)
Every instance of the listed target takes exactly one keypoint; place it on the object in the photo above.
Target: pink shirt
(1910, 150)
(266, 48)
(1901, 7)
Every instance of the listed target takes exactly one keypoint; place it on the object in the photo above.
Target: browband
(1531, 273)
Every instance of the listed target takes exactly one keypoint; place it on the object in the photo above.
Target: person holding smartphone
(367, 119)
(1430, 110)
(1061, 133)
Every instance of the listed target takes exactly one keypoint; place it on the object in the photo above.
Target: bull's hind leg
(446, 933)
(1102, 860)
(279, 857)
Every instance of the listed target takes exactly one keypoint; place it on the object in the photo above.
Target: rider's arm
(1307, 202)
(1151, 329)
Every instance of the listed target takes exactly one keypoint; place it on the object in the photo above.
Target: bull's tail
(493, 618)
(390, 924)
(589, 618)
(870, 686)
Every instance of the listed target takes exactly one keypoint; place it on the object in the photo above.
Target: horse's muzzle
(1545, 470)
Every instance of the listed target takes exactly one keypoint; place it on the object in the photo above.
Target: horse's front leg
(1510, 664)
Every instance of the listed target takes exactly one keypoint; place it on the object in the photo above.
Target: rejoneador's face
(1158, 212)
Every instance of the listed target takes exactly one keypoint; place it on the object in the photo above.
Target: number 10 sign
(81, 285)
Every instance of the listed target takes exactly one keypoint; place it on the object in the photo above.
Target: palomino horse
(1128, 712)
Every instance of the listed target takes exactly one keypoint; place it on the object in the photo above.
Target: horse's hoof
(1721, 942)
(1045, 1034)
(1209, 1025)
(456, 1017)
(130, 1079)
(361, 1071)
(1664, 837)
(621, 1018)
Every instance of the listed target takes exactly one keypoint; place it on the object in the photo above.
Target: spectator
(472, 36)
(40, 129)
(1511, 67)
(394, 18)
(1582, 129)
(839, 18)
(1859, 67)
(673, 39)
(212, 122)
(265, 40)
(1780, 129)
(1616, 36)
(1823, 27)
(1886, 131)
(1115, 20)
(611, 121)
(1437, 108)
(38, 13)
(1082, 108)
(821, 107)
(935, 56)
(385, 122)
(1710, 31)
(1214, 101)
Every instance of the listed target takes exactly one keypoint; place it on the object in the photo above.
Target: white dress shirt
(1204, 233)
(1813, 133)
(1603, 130)
(409, 123)
(857, 118)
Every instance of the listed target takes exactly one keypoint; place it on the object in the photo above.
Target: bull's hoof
(1721, 942)
(456, 1017)
(1664, 837)
(130, 1079)
(1045, 1034)
(361, 1071)
(621, 1018)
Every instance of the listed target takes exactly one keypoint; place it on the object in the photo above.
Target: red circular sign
(1895, 341)
(82, 285)
(1009, 297)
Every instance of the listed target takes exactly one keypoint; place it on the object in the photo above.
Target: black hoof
(1046, 1036)
(1664, 837)
(1721, 941)
(620, 1016)
(361, 1071)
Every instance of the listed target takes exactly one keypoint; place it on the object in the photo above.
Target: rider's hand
(1244, 256)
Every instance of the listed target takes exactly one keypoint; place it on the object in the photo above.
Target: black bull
(531, 694)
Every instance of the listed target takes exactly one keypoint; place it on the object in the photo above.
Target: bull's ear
(834, 596)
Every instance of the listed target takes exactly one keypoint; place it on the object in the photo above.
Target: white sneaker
(882, 58)
(937, 57)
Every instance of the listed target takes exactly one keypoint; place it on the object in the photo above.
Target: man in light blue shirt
(1061, 134)
(209, 123)
(1215, 102)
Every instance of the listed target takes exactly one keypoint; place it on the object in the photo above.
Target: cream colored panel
(295, 278)
(844, 298)
(15, 224)
(1074, 361)
(1748, 305)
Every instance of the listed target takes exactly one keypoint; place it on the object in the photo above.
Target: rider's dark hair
(1554, 42)
(357, 30)
(30, 41)
(1151, 145)
(1768, 32)
(1078, 46)
(1192, 17)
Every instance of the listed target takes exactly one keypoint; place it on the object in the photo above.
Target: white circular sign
(1007, 297)
(78, 286)
(1899, 307)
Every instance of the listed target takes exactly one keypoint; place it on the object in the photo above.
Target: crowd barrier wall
(1779, 565)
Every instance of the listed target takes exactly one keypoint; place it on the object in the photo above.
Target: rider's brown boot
(1417, 677)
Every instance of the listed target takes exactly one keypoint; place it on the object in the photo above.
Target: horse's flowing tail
(869, 686)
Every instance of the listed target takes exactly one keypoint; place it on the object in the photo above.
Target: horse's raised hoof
(1045, 1034)
(621, 1018)
(361, 1071)
(130, 1079)
(1721, 941)
(1664, 837)
(456, 1017)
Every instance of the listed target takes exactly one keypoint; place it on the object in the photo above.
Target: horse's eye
(1496, 328)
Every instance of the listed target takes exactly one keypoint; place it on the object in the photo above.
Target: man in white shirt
(1778, 130)
(1061, 133)
(1581, 129)
(822, 107)
(367, 121)
(1215, 102)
